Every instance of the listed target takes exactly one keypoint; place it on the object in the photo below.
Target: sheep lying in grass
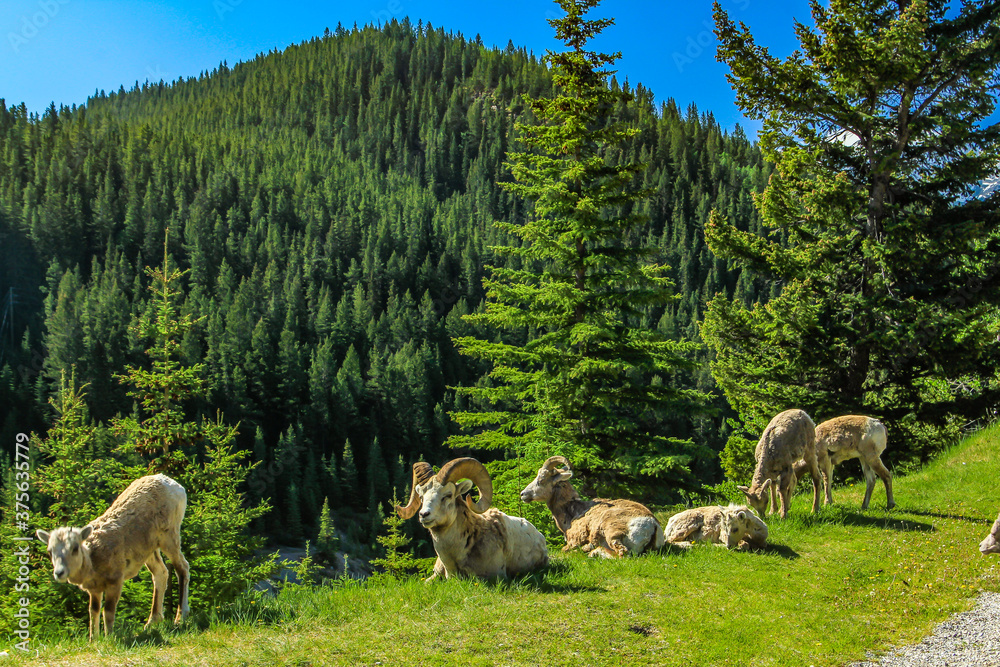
(848, 437)
(98, 558)
(789, 436)
(471, 539)
(609, 528)
(991, 545)
(728, 526)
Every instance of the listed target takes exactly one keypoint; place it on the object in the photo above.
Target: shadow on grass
(954, 517)
(546, 580)
(151, 637)
(902, 525)
(841, 516)
(782, 550)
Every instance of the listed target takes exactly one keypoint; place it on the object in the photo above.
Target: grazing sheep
(98, 558)
(469, 538)
(991, 545)
(848, 437)
(789, 436)
(609, 528)
(728, 526)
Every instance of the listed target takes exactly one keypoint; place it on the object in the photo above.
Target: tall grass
(830, 588)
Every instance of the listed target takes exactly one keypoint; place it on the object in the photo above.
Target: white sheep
(848, 437)
(609, 528)
(98, 558)
(728, 526)
(471, 539)
(991, 545)
(789, 436)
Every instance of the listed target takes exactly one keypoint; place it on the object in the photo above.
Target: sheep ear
(744, 489)
(741, 515)
(766, 485)
(42, 535)
(85, 533)
(464, 486)
(563, 476)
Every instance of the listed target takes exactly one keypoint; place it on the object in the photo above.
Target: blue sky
(64, 50)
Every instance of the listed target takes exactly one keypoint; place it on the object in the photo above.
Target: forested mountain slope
(334, 204)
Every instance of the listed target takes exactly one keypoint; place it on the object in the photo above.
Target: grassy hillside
(830, 588)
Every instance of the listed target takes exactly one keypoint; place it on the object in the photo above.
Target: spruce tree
(214, 532)
(882, 265)
(578, 375)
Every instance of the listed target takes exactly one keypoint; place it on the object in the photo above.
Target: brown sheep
(471, 539)
(789, 436)
(609, 528)
(98, 558)
(848, 437)
(728, 526)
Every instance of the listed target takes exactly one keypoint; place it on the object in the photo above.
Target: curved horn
(421, 473)
(470, 468)
(551, 462)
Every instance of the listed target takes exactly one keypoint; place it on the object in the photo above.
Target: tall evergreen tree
(887, 268)
(587, 381)
(217, 516)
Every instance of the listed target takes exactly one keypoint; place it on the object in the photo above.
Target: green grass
(830, 588)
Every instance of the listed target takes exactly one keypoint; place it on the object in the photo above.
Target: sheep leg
(869, 484)
(183, 570)
(773, 494)
(159, 573)
(826, 468)
(883, 472)
(439, 571)
(111, 596)
(95, 613)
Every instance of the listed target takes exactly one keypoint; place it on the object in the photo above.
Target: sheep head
(65, 546)
(744, 525)
(555, 469)
(757, 499)
(437, 496)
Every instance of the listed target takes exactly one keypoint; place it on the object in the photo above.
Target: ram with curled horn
(601, 527)
(471, 538)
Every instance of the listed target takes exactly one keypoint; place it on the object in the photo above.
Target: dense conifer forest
(334, 204)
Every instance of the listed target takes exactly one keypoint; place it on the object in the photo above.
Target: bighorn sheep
(98, 558)
(789, 436)
(728, 526)
(609, 528)
(991, 545)
(848, 437)
(469, 539)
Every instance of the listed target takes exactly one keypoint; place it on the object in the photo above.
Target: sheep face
(65, 547)
(757, 499)
(439, 502)
(991, 545)
(541, 488)
(744, 525)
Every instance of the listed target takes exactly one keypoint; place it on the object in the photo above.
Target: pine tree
(884, 269)
(326, 539)
(217, 516)
(588, 382)
(398, 561)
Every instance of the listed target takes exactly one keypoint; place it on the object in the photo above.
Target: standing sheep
(848, 437)
(991, 545)
(98, 558)
(728, 526)
(789, 436)
(609, 528)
